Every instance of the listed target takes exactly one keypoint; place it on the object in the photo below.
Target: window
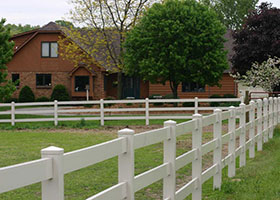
(15, 79)
(49, 50)
(193, 87)
(44, 80)
(81, 82)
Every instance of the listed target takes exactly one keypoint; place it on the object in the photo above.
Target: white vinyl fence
(101, 113)
(50, 169)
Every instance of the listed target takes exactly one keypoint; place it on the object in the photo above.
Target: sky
(40, 12)
(34, 12)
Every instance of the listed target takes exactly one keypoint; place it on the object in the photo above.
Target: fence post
(278, 109)
(275, 108)
(126, 162)
(147, 111)
(197, 163)
(265, 118)
(53, 189)
(260, 125)
(252, 129)
(195, 105)
(13, 115)
(102, 112)
(232, 141)
(169, 183)
(55, 113)
(242, 140)
(270, 125)
(242, 99)
(218, 150)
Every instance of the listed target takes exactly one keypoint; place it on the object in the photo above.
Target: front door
(131, 87)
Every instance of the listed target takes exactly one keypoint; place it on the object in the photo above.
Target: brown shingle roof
(51, 26)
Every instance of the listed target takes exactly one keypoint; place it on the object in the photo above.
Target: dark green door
(131, 87)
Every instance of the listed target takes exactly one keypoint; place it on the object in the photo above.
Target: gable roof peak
(51, 26)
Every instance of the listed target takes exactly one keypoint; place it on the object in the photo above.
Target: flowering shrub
(265, 75)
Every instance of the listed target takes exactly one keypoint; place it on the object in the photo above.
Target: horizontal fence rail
(50, 170)
(58, 111)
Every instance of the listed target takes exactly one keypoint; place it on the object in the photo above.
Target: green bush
(215, 104)
(42, 99)
(60, 93)
(188, 104)
(81, 123)
(168, 96)
(87, 105)
(156, 96)
(227, 104)
(229, 96)
(9, 100)
(26, 95)
(171, 96)
(109, 104)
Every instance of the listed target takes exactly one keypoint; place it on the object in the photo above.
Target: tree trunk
(120, 85)
(174, 88)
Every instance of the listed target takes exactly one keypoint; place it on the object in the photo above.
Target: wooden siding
(29, 59)
(228, 86)
(20, 40)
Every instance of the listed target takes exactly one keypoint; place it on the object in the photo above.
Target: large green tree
(6, 53)
(231, 12)
(177, 41)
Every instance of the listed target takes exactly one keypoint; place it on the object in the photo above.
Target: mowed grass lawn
(260, 179)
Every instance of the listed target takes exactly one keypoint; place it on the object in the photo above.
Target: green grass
(17, 147)
(81, 124)
(258, 180)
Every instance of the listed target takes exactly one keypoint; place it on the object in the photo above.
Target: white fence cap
(52, 150)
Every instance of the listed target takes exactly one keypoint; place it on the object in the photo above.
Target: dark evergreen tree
(6, 52)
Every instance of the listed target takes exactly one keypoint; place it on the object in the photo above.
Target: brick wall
(29, 79)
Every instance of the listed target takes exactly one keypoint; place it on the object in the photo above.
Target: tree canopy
(177, 41)
(258, 39)
(64, 23)
(107, 23)
(6, 53)
(231, 12)
(16, 29)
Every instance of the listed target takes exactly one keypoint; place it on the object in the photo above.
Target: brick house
(36, 63)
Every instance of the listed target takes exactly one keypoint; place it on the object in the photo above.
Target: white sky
(40, 12)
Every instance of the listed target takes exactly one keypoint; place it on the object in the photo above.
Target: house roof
(100, 54)
(51, 27)
(91, 71)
